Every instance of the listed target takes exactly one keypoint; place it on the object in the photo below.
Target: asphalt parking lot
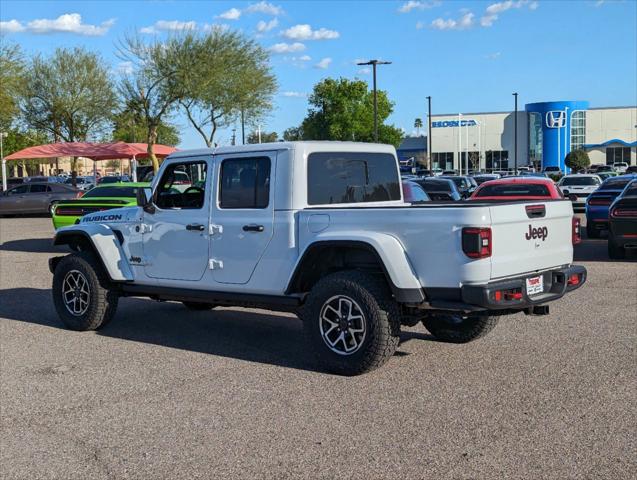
(164, 393)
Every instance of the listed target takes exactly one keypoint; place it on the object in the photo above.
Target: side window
(21, 190)
(349, 177)
(183, 186)
(40, 189)
(245, 183)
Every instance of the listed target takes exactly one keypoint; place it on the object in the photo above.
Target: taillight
(619, 212)
(576, 237)
(477, 242)
(599, 201)
(79, 194)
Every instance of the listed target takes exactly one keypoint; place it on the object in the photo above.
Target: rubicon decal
(539, 232)
(102, 218)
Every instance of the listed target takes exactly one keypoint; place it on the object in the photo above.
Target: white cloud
(266, 8)
(287, 47)
(125, 68)
(305, 58)
(263, 27)
(232, 14)
(492, 11)
(324, 63)
(67, 23)
(365, 71)
(291, 94)
(12, 26)
(463, 23)
(599, 3)
(305, 32)
(169, 26)
(420, 25)
(493, 56)
(418, 5)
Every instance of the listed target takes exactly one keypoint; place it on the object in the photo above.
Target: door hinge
(215, 264)
(215, 229)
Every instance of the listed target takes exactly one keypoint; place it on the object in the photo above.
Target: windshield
(615, 183)
(514, 190)
(112, 192)
(631, 190)
(435, 186)
(579, 181)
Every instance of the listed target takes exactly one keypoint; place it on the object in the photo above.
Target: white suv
(620, 167)
(578, 187)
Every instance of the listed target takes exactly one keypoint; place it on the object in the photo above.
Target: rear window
(436, 186)
(579, 181)
(111, 192)
(517, 189)
(349, 177)
(618, 183)
(631, 190)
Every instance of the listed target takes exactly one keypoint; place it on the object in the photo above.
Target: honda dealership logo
(556, 119)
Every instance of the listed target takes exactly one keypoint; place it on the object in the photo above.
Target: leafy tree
(17, 140)
(418, 125)
(577, 160)
(129, 125)
(12, 69)
(342, 109)
(266, 137)
(69, 95)
(226, 76)
(150, 91)
(293, 134)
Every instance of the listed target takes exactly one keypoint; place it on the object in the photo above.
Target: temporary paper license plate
(534, 285)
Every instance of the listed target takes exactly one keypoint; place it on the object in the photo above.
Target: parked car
(605, 175)
(449, 172)
(622, 222)
(440, 189)
(101, 198)
(423, 172)
(631, 169)
(34, 198)
(517, 188)
(414, 193)
(82, 183)
(552, 170)
(306, 243)
(466, 185)
(485, 177)
(12, 182)
(113, 179)
(598, 203)
(578, 187)
(620, 167)
(42, 179)
(604, 168)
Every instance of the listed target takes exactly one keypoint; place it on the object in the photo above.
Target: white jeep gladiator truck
(320, 229)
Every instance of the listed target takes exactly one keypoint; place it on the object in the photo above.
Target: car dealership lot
(162, 392)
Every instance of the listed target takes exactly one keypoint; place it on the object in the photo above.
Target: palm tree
(418, 126)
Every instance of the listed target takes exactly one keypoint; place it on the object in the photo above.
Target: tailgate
(525, 242)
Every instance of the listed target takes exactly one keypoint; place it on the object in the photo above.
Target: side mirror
(144, 199)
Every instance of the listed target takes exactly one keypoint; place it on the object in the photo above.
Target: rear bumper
(484, 297)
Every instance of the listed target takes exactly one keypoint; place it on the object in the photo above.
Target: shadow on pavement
(33, 245)
(596, 250)
(254, 337)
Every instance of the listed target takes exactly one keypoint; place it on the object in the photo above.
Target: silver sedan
(34, 197)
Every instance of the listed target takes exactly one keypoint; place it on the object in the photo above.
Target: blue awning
(610, 142)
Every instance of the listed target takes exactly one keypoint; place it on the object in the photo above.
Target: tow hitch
(537, 310)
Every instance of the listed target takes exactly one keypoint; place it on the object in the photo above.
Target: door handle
(253, 228)
(196, 227)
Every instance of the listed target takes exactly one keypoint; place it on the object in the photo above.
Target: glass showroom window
(535, 138)
(617, 155)
(497, 160)
(578, 129)
(442, 160)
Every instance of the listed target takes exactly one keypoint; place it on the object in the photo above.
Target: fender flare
(388, 251)
(106, 244)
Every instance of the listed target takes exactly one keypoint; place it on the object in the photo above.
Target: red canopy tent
(94, 151)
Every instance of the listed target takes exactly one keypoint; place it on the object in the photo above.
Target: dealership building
(546, 133)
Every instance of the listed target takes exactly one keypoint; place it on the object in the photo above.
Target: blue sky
(468, 55)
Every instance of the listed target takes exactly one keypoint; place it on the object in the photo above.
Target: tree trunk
(152, 138)
(74, 171)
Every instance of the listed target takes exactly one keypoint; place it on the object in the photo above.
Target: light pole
(4, 163)
(460, 142)
(515, 135)
(373, 63)
(429, 133)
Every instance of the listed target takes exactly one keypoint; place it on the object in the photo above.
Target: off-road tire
(615, 252)
(198, 306)
(102, 302)
(381, 314)
(462, 329)
(592, 232)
